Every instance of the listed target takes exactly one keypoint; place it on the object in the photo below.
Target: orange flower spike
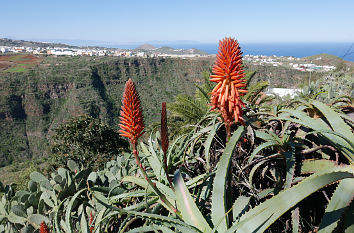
(229, 75)
(131, 114)
(43, 228)
(132, 127)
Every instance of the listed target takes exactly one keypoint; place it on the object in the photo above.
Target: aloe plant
(249, 170)
(116, 197)
(261, 217)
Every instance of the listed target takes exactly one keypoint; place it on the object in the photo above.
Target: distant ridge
(20, 43)
(327, 59)
(146, 47)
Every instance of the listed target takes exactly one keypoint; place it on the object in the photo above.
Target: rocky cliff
(34, 103)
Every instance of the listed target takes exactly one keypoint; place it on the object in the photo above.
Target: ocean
(343, 50)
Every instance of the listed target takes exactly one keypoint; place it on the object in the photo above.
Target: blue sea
(343, 50)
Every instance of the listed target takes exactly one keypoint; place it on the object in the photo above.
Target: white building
(4, 49)
(140, 54)
(292, 92)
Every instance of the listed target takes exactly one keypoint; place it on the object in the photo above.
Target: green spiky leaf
(263, 215)
(185, 203)
(340, 199)
(219, 205)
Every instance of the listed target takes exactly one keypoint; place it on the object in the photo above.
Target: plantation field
(18, 63)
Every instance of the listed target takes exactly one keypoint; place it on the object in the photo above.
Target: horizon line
(56, 40)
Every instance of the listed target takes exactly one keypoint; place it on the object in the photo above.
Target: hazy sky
(197, 20)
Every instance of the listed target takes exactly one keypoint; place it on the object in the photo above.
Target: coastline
(298, 50)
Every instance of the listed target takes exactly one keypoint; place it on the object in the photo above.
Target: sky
(205, 21)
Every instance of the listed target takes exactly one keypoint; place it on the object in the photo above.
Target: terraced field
(18, 63)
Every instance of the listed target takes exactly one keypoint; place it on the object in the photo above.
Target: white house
(292, 92)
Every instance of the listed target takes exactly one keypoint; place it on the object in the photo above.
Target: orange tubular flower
(131, 114)
(229, 75)
(132, 126)
(43, 228)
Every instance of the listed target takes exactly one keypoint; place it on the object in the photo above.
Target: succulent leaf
(219, 206)
(185, 203)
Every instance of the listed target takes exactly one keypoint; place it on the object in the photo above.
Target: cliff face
(34, 103)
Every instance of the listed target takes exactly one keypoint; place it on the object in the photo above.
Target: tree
(87, 141)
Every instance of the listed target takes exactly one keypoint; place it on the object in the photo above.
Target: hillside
(38, 93)
(35, 102)
(146, 47)
(328, 59)
(24, 43)
(169, 50)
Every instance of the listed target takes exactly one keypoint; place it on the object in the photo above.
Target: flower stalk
(164, 141)
(132, 127)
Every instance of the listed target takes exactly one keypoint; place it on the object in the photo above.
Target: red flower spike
(43, 228)
(164, 141)
(90, 222)
(164, 129)
(229, 75)
(131, 114)
(132, 126)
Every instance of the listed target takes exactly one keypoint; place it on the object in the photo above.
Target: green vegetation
(16, 69)
(187, 110)
(60, 88)
(289, 167)
(19, 173)
(327, 59)
(18, 62)
(281, 77)
(24, 43)
(276, 174)
(87, 141)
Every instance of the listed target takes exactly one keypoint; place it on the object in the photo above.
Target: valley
(39, 92)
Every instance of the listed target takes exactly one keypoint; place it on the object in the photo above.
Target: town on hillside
(291, 62)
(147, 50)
(144, 51)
